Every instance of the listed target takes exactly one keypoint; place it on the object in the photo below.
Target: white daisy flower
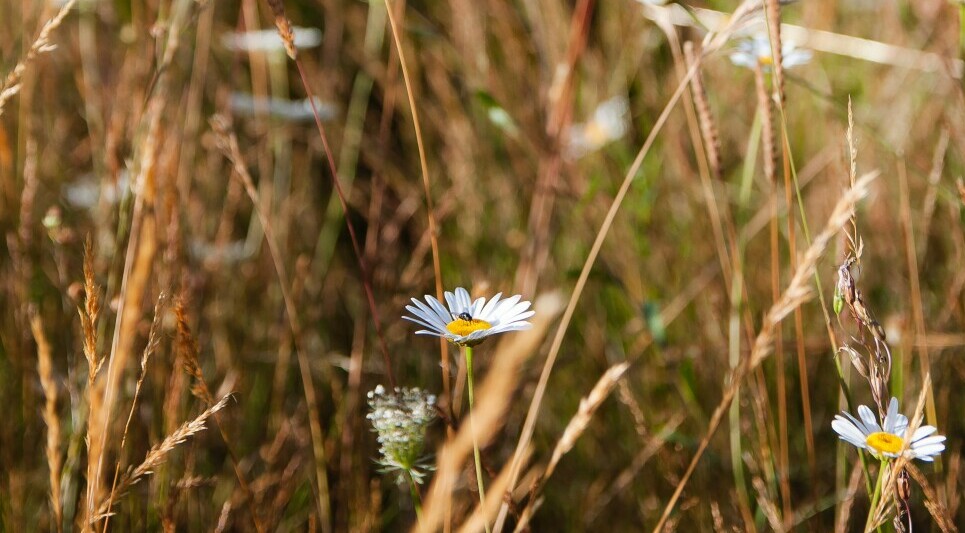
(888, 439)
(757, 50)
(468, 322)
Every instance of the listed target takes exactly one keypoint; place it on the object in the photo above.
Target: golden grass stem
(530, 423)
(49, 386)
(12, 83)
(153, 340)
(229, 146)
(918, 314)
(158, 454)
(424, 167)
(712, 42)
(796, 294)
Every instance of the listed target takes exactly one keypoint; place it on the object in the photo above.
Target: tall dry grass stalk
(796, 294)
(576, 427)
(95, 361)
(157, 455)
(12, 83)
(188, 350)
(153, 341)
(48, 384)
(228, 144)
(713, 41)
(705, 116)
(283, 25)
(142, 243)
(581, 420)
(424, 167)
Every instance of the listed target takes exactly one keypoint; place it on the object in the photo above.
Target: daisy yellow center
(766, 60)
(465, 327)
(885, 442)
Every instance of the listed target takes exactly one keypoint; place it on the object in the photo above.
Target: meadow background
(133, 134)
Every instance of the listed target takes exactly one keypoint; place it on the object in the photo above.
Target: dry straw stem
(622, 481)
(88, 320)
(844, 513)
(938, 510)
(188, 347)
(712, 43)
(767, 506)
(143, 241)
(41, 45)
(228, 143)
(766, 110)
(495, 395)
(480, 516)
(424, 167)
(284, 30)
(88, 315)
(796, 294)
(575, 428)
(188, 351)
(157, 454)
(49, 386)
(584, 414)
(153, 341)
(705, 117)
(772, 16)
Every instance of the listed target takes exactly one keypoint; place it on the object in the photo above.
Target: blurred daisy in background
(888, 439)
(609, 123)
(467, 322)
(757, 50)
(280, 108)
(269, 40)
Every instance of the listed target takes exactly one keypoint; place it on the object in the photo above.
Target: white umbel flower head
(468, 322)
(888, 439)
(757, 51)
(400, 419)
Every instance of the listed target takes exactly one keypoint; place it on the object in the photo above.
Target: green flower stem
(472, 430)
(876, 496)
(416, 499)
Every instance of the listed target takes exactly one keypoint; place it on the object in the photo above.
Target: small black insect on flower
(465, 316)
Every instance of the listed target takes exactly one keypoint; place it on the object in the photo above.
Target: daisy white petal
(891, 416)
(467, 322)
(888, 439)
(868, 417)
(848, 431)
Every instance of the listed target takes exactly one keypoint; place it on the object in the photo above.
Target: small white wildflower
(757, 50)
(887, 439)
(468, 323)
(269, 40)
(609, 123)
(400, 419)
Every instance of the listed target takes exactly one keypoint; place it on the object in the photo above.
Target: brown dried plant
(42, 44)
(49, 386)
(157, 455)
